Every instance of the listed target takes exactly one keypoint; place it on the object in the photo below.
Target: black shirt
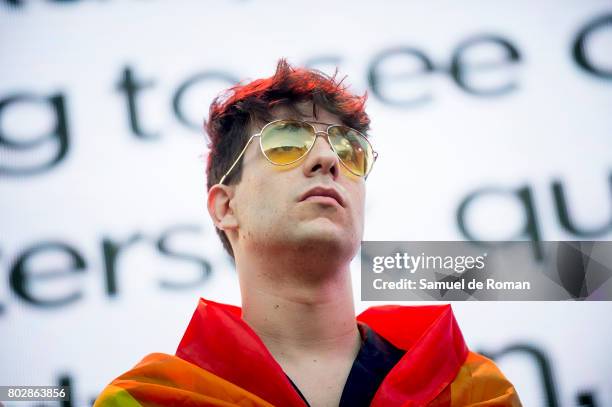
(375, 359)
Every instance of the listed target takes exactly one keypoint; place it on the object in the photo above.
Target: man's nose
(322, 158)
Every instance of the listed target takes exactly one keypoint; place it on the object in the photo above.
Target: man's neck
(297, 318)
(301, 306)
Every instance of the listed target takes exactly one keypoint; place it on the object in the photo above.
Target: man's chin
(324, 232)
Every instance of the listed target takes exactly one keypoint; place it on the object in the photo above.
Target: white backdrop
(105, 243)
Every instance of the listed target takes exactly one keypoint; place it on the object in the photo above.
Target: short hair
(234, 112)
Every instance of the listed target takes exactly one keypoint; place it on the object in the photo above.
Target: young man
(286, 179)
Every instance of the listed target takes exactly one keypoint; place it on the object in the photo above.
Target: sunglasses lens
(353, 149)
(286, 141)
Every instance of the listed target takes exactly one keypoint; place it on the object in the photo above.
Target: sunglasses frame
(316, 134)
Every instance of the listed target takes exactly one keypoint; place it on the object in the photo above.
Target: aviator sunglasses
(285, 141)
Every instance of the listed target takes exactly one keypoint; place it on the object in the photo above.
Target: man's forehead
(306, 111)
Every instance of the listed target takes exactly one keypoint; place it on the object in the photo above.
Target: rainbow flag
(222, 362)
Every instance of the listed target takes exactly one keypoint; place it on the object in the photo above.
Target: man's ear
(220, 208)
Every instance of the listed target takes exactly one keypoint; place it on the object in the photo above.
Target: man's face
(270, 205)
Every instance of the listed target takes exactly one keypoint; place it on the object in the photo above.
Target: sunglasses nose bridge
(325, 135)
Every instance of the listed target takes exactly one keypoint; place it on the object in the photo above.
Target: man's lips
(323, 194)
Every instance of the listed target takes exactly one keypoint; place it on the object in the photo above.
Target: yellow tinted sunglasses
(285, 141)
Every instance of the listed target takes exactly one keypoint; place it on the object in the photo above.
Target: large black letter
(1, 305)
(459, 71)
(579, 49)
(524, 195)
(110, 251)
(16, 3)
(21, 275)
(542, 363)
(58, 135)
(129, 85)
(380, 83)
(163, 247)
(564, 216)
(178, 95)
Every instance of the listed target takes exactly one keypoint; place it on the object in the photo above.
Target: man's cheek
(359, 219)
